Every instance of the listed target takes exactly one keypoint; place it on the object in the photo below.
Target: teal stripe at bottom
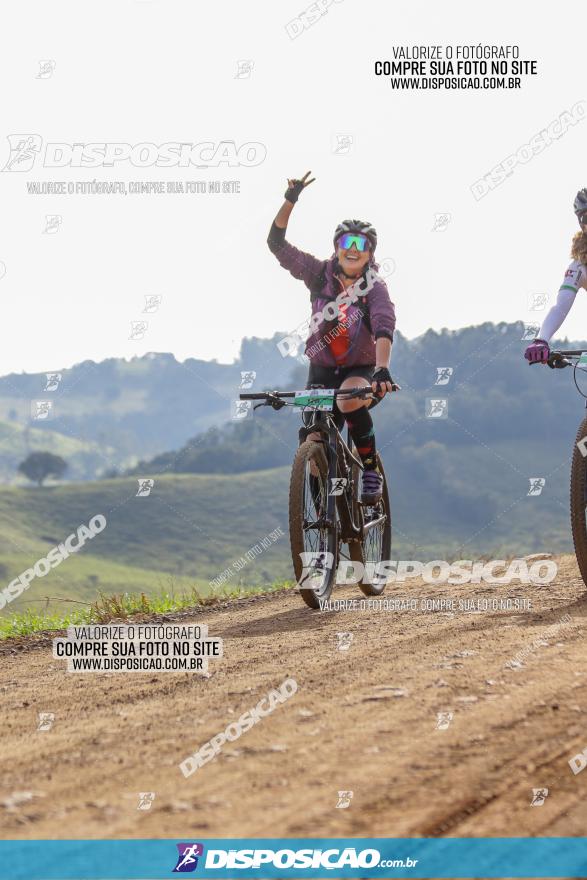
(292, 857)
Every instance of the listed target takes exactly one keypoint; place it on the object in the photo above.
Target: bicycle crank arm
(322, 524)
(374, 522)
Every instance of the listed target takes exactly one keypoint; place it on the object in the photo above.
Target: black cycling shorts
(333, 377)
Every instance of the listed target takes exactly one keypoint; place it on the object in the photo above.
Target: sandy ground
(363, 720)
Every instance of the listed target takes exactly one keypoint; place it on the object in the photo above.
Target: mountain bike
(578, 360)
(325, 509)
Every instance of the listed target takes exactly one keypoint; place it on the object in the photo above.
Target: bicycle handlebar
(558, 360)
(280, 395)
(277, 399)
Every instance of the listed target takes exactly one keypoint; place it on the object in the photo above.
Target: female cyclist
(575, 277)
(351, 327)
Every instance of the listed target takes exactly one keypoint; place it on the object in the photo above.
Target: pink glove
(537, 352)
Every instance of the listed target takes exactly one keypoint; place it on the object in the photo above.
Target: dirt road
(363, 720)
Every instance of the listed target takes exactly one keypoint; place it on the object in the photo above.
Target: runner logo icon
(187, 860)
(23, 151)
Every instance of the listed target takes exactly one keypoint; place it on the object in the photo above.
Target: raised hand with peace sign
(295, 186)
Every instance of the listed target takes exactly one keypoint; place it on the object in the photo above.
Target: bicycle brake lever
(547, 362)
(558, 363)
(276, 403)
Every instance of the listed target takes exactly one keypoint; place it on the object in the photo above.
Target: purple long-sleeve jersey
(320, 278)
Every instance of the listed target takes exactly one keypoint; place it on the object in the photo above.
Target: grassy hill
(126, 410)
(185, 533)
(193, 526)
(459, 484)
(83, 457)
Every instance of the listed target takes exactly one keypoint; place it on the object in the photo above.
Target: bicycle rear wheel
(376, 544)
(314, 544)
(579, 499)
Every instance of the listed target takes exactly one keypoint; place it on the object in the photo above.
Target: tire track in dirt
(363, 720)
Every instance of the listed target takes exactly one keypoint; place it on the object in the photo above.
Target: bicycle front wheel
(579, 498)
(314, 542)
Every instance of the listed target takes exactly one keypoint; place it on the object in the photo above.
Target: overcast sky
(155, 71)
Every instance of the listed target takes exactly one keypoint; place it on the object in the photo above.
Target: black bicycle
(578, 360)
(325, 510)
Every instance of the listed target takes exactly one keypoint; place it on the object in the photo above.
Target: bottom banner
(293, 857)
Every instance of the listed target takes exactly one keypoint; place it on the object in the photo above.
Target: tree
(39, 465)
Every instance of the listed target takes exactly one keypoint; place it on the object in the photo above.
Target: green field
(83, 457)
(184, 534)
(192, 527)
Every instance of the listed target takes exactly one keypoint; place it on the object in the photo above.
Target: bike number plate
(315, 398)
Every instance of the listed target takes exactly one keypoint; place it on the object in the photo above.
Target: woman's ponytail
(579, 247)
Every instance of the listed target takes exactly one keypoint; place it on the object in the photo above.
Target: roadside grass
(122, 606)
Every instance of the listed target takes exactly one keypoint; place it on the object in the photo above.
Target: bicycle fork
(351, 531)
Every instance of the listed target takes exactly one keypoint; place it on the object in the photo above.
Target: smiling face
(352, 260)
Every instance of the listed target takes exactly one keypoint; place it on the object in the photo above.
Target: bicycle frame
(324, 424)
